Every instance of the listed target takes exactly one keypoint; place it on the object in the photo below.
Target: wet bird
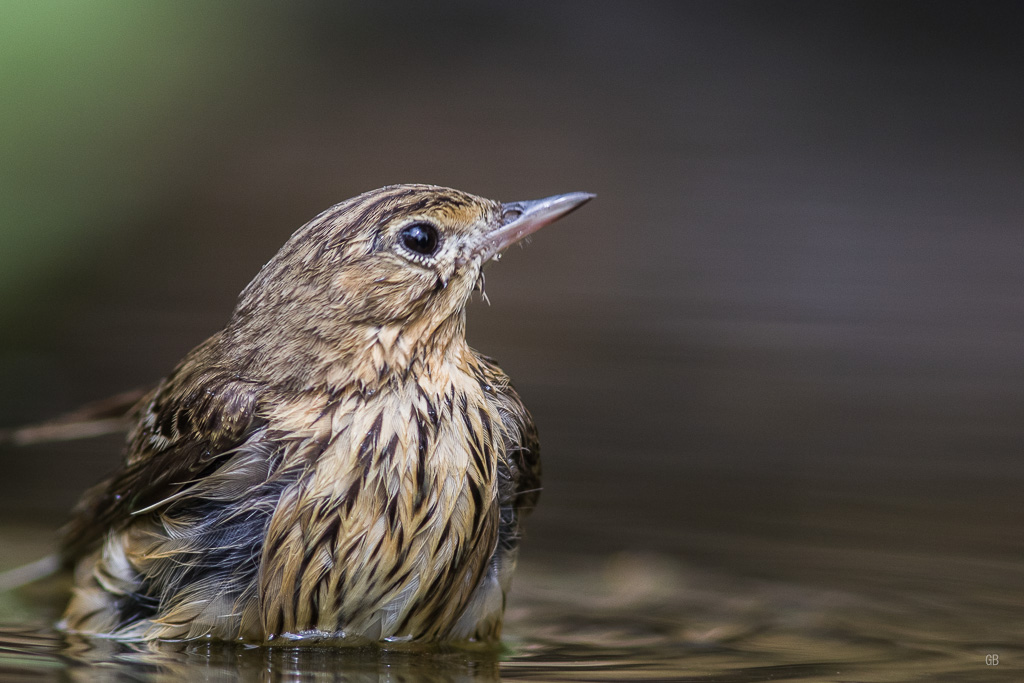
(336, 464)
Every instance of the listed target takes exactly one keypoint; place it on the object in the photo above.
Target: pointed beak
(519, 219)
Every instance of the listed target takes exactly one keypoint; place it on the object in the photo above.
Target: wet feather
(336, 462)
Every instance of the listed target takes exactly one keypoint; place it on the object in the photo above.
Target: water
(784, 605)
(776, 364)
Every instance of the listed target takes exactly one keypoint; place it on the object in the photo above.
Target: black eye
(420, 238)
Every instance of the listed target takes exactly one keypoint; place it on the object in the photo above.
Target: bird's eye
(420, 238)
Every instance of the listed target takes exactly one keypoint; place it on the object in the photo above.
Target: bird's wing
(520, 470)
(183, 430)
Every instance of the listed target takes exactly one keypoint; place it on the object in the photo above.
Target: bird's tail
(107, 416)
(27, 573)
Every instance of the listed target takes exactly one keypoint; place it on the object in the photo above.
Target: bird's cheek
(347, 282)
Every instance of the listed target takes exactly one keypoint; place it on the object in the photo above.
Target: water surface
(785, 605)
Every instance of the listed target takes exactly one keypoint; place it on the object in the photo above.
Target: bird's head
(398, 263)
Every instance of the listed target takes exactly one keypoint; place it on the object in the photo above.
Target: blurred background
(787, 333)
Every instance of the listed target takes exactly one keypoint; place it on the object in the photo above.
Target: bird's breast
(389, 527)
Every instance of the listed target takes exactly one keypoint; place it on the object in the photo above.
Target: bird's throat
(377, 356)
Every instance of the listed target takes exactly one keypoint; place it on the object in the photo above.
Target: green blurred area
(107, 107)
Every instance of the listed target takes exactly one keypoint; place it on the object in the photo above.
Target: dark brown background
(796, 306)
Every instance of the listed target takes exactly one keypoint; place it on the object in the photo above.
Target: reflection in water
(637, 617)
(37, 653)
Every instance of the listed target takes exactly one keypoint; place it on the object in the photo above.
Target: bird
(336, 465)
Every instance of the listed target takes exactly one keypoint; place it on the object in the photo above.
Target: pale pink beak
(519, 219)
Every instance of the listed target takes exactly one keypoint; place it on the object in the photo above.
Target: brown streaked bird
(336, 464)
